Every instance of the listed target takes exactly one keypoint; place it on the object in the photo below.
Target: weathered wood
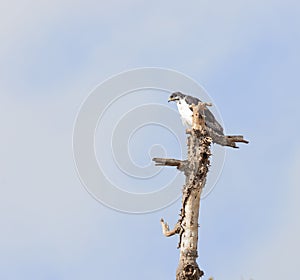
(195, 169)
(198, 163)
(166, 230)
(226, 140)
(180, 164)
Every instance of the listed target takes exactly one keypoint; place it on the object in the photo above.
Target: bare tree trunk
(195, 169)
(198, 163)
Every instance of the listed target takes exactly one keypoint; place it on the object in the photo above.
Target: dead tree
(195, 169)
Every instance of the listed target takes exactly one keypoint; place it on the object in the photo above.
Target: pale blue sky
(52, 54)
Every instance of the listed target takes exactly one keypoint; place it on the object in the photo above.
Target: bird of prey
(184, 103)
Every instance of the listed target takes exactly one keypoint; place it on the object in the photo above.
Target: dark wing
(210, 119)
(212, 123)
(191, 100)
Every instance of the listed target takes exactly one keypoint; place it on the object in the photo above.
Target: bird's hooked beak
(171, 99)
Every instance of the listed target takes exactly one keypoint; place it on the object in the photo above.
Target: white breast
(185, 112)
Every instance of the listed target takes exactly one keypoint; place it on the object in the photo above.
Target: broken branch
(166, 230)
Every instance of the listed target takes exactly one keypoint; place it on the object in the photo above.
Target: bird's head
(175, 96)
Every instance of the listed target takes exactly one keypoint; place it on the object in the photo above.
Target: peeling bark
(195, 169)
